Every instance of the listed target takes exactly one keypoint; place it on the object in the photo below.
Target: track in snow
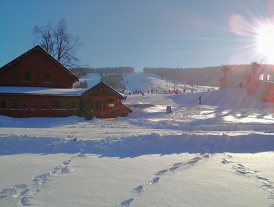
(21, 194)
(140, 189)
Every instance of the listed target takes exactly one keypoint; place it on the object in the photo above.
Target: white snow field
(218, 153)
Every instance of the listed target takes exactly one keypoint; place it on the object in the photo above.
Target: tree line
(234, 75)
(109, 70)
(225, 76)
(115, 81)
(193, 76)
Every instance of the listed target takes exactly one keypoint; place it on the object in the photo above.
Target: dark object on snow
(75, 139)
(200, 99)
(168, 109)
(88, 114)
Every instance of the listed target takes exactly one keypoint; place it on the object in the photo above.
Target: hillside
(145, 82)
(207, 76)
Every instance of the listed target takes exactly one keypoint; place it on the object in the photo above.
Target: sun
(265, 41)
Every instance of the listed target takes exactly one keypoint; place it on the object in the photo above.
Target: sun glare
(265, 41)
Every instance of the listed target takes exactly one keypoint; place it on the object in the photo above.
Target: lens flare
(265, 41)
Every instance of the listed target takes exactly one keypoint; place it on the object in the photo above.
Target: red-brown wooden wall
(38, 63)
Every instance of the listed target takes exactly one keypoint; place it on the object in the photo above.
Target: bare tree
(57, 41)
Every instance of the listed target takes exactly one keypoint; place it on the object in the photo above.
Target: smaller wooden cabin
(101, 99)
(104, 101)
(36, 85)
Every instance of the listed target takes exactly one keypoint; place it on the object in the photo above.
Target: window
(27, 77)
(19, 103)
(104, 105)
(3, 103)
(89, 104)
(73, 104)
(46, 78)
(97, 105)
(111, 104)
(60, 104)
(45, 104)
(34, 104)
(82, 104)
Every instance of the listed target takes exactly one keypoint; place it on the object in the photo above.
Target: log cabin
(36, 85)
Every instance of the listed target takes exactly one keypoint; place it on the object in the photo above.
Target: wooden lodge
(37, 85)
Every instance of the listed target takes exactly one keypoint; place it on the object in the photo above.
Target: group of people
(141, 92)
(136, 92)
(169, 91)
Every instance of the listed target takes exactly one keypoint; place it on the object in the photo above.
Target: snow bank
(139, 145)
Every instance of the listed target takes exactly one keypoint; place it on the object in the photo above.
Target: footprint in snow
(194, 160)
(241, 169)
(126, 203)
(266, 183)
(138, 189)
(226, 161)
(14, 192)
(25, 201)
(154, 180)
(41, 179)
(161, 172)
(22, 191)
(178, 165)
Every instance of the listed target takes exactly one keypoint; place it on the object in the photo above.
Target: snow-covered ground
(218, 153)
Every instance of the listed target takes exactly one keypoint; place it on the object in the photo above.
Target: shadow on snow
(139, 145)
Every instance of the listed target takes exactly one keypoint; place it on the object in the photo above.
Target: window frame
(3, 103)
(27, 77)
(46, 78)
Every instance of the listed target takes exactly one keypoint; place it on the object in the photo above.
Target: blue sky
(143, 33)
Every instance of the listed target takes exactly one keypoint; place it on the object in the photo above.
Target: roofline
(102, 82)
(46, 53)
(25, 90)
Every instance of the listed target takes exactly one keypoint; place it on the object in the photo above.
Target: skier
(200, 99)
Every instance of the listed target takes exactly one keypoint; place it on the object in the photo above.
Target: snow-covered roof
(41, 91)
